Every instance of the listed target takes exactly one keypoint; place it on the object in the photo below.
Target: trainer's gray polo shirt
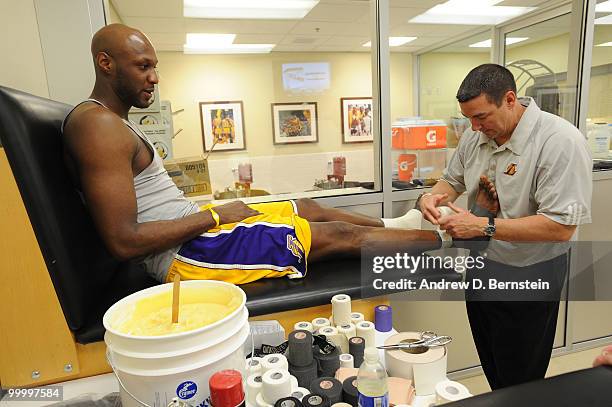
(544, 168)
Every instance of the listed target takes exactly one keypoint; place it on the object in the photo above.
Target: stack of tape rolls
(329, 386)
(341, 309)
(356, 317)
(300, 392)
(319, 323)
(350, 393)
(367, 331)
(253, 365)
(274, 361)
(346, 360)
(328, 363)
(400, 391)
(304, 325)
(334, 336)
(316, 400)
(276, 385)
(424, 366)
(288, 402)
(448, 391)
(356, 348)
(253, 388)
(347, 330)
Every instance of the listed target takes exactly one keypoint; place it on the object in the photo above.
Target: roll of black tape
(356, 348)
(328, 364)
(300, 348)
(349, 391)
(329, 386)
(288, 402)
(304, 374)
(316, 400)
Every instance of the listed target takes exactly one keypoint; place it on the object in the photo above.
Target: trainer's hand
(234, 211)
(462, 224)
(605, 358)
(428, 206)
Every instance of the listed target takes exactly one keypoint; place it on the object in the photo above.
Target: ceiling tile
(347, 41)
(431, 30)
(154, 24)
(238, 26)
(148, 8)
(327, 28)
(339, 13)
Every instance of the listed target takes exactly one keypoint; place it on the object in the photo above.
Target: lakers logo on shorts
(295, 247)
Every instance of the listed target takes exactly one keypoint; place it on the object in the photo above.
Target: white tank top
(157, 198)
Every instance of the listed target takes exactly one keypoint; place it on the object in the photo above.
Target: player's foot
(487, 201)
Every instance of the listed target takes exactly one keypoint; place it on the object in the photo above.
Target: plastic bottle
(599, 140)
(372, 381)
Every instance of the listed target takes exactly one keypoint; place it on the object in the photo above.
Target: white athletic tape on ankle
(447, 240)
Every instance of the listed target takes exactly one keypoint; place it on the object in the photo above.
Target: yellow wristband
(215, 217)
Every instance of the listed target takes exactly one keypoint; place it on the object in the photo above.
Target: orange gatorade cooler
(418, 134)
(406, 165)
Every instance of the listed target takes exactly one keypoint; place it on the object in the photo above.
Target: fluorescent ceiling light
(249, 9)
(604, 20)
(221, 44)
(605, 44)
(605, 7)
(471, 12)
(487, 43)
(394, 41)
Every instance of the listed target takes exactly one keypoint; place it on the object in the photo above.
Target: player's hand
(428, 206)
(605, 358)
(234, 211)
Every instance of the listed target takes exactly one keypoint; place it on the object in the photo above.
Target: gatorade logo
(404, 166)
(186, 390)
(431, 136)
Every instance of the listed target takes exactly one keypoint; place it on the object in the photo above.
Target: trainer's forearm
(150, 237)
(536, 228)
(443, 187)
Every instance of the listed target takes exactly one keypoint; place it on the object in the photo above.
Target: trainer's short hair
(491, 79)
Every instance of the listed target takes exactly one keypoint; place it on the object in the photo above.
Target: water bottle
(372, 381)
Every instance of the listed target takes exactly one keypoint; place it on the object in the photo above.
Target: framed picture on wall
(222, 126)
(295, 123)
(356, 119)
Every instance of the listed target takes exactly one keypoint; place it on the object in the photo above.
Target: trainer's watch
(489, 230)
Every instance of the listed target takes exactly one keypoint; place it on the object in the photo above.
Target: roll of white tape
(299, 393)
(347, 330)
(319, 323)
(341, 405)
(274, 361)
(276, 385)
(356, 317)
(346, 360)
(294, 383)
(424, 366)
(253, 388)
(341, 309)
(335, 337)
(367, 331)
(304, 325)
(448, 391)
(260, 402)
(253, 365)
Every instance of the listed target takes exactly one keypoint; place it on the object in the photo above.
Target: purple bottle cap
(383, 318)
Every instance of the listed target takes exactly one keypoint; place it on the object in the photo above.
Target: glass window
(537, 56)
(286, 102)
(599, 116)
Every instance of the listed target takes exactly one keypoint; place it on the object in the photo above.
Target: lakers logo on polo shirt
(511, 170)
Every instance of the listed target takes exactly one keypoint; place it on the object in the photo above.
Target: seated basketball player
(141, 215)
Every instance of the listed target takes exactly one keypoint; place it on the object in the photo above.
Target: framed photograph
(356, 120)
(295, 123)
(222, 126)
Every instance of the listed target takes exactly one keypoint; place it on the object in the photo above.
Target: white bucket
(152, 370)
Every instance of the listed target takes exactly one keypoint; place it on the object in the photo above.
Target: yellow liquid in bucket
(198, 307)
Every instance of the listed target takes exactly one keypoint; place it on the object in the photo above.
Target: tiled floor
(558, 365)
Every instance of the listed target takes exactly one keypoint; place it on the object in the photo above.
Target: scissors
(428, 339)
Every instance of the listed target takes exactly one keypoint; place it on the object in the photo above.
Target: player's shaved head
(118, 40)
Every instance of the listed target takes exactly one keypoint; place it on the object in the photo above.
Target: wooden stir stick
(176, 288)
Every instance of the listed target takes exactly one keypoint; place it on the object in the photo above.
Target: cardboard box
(418, 136)
(191, 175)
